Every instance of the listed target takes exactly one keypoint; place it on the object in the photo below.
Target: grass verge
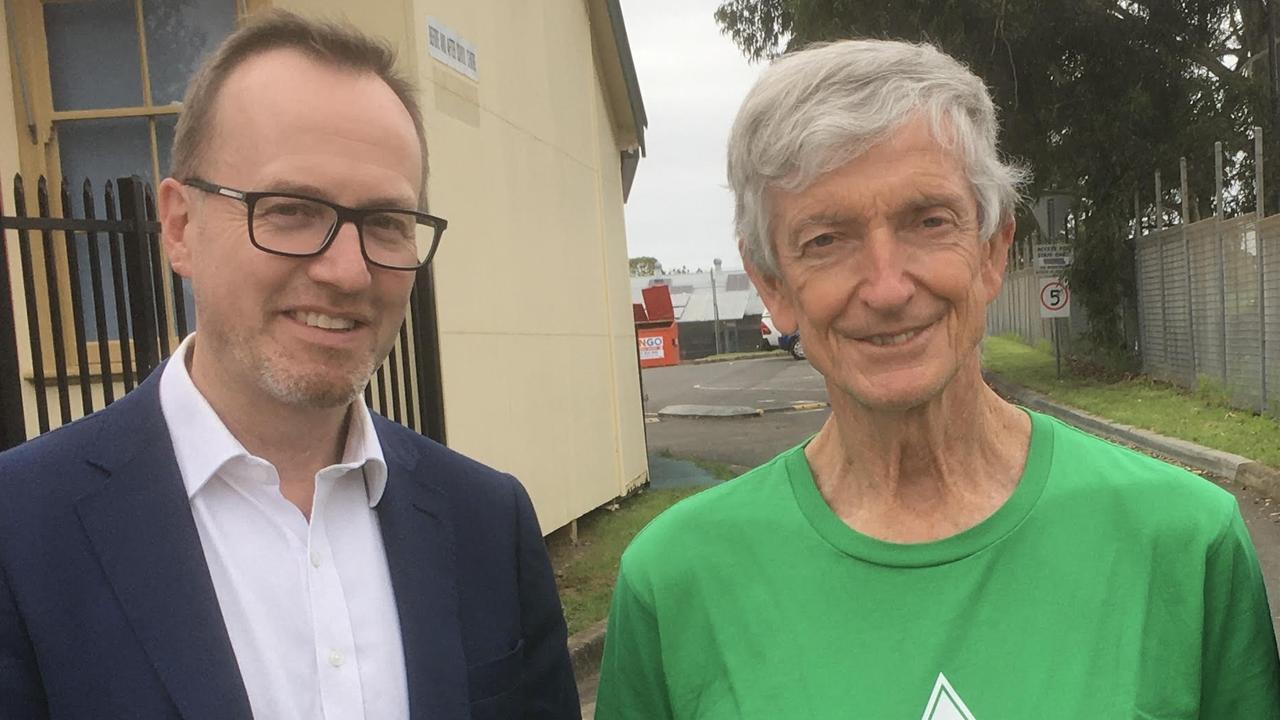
(1200, 417)
(751, 355)
(587, 571)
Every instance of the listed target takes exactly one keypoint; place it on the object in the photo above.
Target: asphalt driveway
(760, 383)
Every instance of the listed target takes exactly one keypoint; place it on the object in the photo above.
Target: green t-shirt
(1109, 585)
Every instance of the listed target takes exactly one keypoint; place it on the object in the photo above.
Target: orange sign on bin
(657, 334)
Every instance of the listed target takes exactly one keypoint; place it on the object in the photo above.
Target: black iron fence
(101, 310)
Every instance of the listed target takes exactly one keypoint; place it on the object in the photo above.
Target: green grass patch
(1200, 416)
(586, 572)
(719, 470)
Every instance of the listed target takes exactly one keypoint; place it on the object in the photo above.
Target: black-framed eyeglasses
(300, 226)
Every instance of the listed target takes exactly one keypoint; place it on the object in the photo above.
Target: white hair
(814, 110)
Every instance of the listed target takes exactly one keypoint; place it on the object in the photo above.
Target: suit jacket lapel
(418, 536)
(140, 526)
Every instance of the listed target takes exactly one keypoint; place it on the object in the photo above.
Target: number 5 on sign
(1055, 298)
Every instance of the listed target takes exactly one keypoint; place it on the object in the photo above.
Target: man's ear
(995, 258)
(174, 210)
(773, 292)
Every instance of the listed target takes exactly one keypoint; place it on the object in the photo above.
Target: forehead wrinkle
(388, 202)
(923, 200)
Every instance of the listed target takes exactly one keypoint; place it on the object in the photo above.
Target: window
(102, 84)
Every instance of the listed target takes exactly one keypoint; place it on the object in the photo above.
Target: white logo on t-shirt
(945, 703)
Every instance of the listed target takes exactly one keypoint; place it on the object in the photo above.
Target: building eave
(618, 73)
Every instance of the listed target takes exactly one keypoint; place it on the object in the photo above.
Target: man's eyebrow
(388, 202)
(923, 201)
(822, 218)
(295, 188)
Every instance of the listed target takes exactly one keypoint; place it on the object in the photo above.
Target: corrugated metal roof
(696, 305)
(700, 308)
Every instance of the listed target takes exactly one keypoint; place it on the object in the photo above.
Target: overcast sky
(692, 79)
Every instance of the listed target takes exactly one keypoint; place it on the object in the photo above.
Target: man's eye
(821, 241)
(934, 221)
(290, 210)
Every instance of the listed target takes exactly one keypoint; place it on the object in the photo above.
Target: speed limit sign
(1055, 298)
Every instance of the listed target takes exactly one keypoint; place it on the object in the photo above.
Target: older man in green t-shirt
(933, 552)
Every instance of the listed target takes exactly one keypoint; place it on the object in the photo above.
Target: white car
(769, 334)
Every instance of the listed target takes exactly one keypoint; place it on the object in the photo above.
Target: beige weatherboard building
(535, 125)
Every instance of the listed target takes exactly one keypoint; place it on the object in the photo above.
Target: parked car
(769, 334)
(792, 344)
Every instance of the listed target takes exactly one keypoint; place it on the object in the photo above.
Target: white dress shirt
(309, 606)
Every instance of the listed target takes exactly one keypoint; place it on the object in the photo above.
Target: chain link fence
(1209, 307)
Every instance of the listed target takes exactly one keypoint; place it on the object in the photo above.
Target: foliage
(645, 266)
(1095, 96)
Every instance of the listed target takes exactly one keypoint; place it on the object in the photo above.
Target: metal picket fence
(93, 309)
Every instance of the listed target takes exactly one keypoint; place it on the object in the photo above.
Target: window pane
(93, 54)
(101, 150)
(179, 36)
(104, 149)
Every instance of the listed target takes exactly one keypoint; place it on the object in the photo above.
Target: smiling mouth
(324, 322)
(898, 339)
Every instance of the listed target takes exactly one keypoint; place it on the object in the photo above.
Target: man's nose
(342, 264)
(886, 284)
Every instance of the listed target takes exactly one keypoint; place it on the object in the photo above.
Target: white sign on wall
(651, 348)
(452, 49)
(1055, 298)
(1052, 260)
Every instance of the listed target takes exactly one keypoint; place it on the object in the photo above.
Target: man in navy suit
(239, 537)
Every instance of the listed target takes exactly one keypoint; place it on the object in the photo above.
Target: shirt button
(315, 559)
(335, 658)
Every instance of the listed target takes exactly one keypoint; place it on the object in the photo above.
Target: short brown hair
(337, 44)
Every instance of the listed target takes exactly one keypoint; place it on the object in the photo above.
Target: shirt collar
(203, 444)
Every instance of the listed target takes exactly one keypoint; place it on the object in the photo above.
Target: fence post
(1262, 284)
(137, 261)
(1218, 215)
(1186, 259)
(1164, 306)
(56, 327)
(1159, 206)
(13, 421)
(426, 352)
(1137, 264)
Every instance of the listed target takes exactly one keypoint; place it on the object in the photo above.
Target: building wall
(10, 112)
(538, 350)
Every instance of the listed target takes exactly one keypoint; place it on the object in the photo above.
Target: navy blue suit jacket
(107, 608)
